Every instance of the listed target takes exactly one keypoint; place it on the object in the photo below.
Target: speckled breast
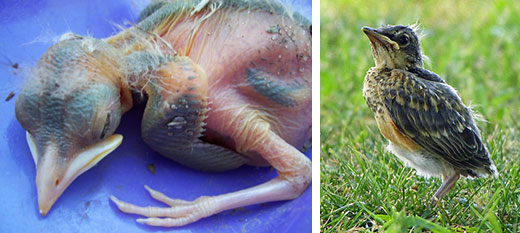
(374, 100)
(370, 91)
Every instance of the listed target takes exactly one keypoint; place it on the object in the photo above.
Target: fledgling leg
(448, 182)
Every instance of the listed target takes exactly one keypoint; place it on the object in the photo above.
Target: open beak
(55, 171)
(377, 38)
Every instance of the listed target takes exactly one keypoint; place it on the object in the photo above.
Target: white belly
(424, 164)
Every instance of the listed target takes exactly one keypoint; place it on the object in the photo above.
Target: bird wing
(432, 115)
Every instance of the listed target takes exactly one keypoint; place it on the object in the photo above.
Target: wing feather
(432, 115)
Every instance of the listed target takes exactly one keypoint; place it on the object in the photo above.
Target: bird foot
(448, 182)
(434, 200)
(179, 213)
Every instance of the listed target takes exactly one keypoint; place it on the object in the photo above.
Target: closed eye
(105, 127)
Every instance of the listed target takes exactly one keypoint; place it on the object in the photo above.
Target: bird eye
(105, 127)
(403, 40)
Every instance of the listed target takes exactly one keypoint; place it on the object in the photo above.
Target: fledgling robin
(428, 126)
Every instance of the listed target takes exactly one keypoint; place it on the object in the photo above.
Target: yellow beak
(378, 38)
(55, 171)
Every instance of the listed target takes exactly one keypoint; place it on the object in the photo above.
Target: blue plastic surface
(27, 29)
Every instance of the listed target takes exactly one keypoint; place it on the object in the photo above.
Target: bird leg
(448, 182)
(254, 135)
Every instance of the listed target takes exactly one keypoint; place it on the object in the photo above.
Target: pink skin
(241, 118)
(228, 87)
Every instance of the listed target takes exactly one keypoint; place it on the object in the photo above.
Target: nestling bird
(428, 126)
(222, 88)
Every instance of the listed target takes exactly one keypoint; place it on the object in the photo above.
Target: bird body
(428, 126)
(223, 90)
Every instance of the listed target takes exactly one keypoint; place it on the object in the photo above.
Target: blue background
(27, 29)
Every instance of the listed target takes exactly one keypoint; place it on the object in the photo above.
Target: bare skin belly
(227, 56)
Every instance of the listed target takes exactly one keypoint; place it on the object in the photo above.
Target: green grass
(475, 47)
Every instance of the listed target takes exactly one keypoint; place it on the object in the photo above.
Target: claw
(142, 220)
(163, 198)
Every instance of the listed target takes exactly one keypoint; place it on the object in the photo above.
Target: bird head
(395, 47)
(70, 106)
